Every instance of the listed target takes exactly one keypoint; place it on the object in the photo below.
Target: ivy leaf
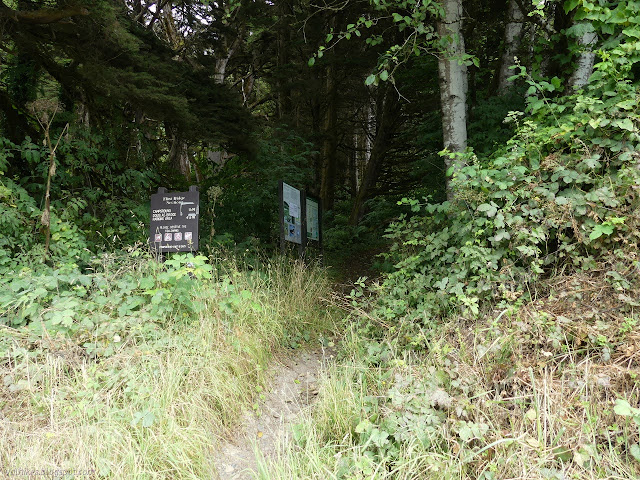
(370, 79)
(384, 75)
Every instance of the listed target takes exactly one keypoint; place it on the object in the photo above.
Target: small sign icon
(177, 236)
(188, 236)
(168, 237)
(158, 237)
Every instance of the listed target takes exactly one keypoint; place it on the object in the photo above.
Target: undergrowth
(510, 395)
(138, 369)
(504, 343)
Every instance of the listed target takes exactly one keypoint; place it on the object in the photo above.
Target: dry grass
(540, 380)
(157, 407)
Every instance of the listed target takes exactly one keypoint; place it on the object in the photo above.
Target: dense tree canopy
(358, 102)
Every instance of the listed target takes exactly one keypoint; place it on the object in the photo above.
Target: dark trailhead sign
(174, 220)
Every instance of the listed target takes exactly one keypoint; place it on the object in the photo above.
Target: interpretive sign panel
(292, 213)
(313, 220)
(174, 220)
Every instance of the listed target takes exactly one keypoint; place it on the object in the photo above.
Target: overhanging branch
(43, 16)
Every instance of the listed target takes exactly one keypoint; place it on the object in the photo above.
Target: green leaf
(148, 419)
(623, 408)
(599, 230)
(608, 28)
(489, 209)
(625, 124)
(311, 61)
(363, 426)
(570, 5)
(634, 450)
(631, 32)
(384, 75)
(370, 79)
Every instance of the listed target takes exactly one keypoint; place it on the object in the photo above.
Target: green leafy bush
(561, 194)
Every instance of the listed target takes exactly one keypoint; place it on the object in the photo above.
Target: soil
(263, 432)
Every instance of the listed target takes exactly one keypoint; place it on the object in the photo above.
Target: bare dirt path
(294, 387)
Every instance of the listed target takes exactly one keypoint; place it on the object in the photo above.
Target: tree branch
(43, 16)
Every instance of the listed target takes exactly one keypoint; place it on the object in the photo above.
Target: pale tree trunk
(363, 140)
(584, 68)
(179, 150)
(224, 56)
(354, 178)
(453, 86)
(513, 33)
(214, 153)
(369, 132)
(179, 154)
(170, 30)
(82, 110)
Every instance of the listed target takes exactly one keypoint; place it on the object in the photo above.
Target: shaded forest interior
(233, 96)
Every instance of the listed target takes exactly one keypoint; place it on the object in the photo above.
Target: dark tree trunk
(329, 142)
(386, 121)
(283, 44)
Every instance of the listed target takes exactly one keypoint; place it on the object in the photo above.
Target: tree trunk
(584, 68)
(387, 114)
(330, 142)
(283, 39)
(179, 154)
(453, 87)
(513, 31)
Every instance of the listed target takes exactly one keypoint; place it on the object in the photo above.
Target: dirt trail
(294, 386)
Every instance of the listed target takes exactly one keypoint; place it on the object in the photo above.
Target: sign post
(291, 210)
(300, 218)
(174, 220)
(314, 223)
(303, 227)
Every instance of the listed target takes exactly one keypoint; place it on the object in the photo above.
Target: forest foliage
(509, 266)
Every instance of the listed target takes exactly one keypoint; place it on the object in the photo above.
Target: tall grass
(490, 399)
(157, 406)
